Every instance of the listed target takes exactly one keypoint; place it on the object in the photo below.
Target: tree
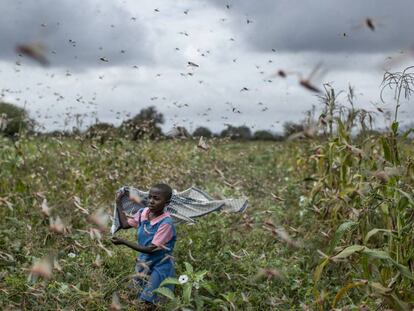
(101, 131)
(144, 124)
(290, 128)
(240, 132)
(14, 119)
(263, 135)
(202, 131)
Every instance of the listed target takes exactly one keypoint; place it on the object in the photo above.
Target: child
(156, 239)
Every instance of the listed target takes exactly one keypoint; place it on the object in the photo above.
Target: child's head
(159, 197)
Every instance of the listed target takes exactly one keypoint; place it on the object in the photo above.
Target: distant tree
(55, 133)
(263, 135)
(202, 131)
(278, 137)
(101, 131)
(14, 119)
(237, 132)
(290, 128)
(144, 124)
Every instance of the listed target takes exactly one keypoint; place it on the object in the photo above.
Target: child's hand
(117, 241)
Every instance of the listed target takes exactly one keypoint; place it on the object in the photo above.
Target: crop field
(329, 223)
(114, 113)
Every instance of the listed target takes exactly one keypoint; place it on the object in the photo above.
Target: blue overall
(157, 265)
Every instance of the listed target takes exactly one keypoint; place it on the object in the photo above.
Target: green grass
(231, 247)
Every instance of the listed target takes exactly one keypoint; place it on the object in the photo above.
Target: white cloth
(184, 206)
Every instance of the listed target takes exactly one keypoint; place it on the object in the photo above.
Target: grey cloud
(75, 33)
(303, 35)
(323, 25)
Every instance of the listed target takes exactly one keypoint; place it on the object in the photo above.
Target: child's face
(156, 200)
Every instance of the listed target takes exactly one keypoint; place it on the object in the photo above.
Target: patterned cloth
(184, 206)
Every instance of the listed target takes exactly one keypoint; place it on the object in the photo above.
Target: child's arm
(139, 248)
(134, 198)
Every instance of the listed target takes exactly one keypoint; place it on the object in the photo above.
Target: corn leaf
(319, 269)
(373, 232)
(340, 232)
(344, 289)
(382, 255)
(348, 251)
(387, 149)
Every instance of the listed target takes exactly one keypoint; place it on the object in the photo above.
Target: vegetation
(237, 132)
(330, 223)
(145, 124)
(102, 132)
(202, 131)
(14, 120)
(265, 135)
(306, 194)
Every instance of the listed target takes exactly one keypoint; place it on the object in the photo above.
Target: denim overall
(158, 265)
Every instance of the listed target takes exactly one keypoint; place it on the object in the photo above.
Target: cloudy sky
(109, 59)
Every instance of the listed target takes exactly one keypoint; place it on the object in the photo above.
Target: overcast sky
(109, 59)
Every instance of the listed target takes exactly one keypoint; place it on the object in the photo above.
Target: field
(329, 223)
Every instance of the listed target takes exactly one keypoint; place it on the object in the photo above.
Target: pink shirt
(164, 233)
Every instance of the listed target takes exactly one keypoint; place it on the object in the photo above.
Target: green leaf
(165, 292)
(199, 303)
(318, 271)
(220, 302)
(403, 203)
(404, 270)
(379, 288)
(188, 268)
(207, 299)
(342, 229)
(397, 304)
(348, 251)
(378, 254)
(408, 132)
(229, 296)
(394, 127)
(373, 232)
(387, 149)
(187, 293)
(382, 255)
(341, 129)
(208, 288)
(169, 281)
(408, 196)
(200, 275)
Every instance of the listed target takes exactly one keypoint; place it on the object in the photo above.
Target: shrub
(202, 131)
(14, 120)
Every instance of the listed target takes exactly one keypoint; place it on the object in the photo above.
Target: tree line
(146, 124)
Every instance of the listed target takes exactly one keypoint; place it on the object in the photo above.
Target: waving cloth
(184, 206)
